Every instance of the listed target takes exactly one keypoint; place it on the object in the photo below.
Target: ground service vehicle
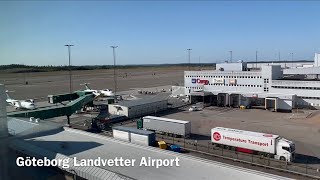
(268, 145)
(171, 127)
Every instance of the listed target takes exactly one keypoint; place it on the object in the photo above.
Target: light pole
(189, 59)
(69, 53)
(114, 72)
(291, 60)
(256, 59)
(230, 56)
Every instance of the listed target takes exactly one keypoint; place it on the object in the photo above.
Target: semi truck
(265, 144)
(170, 127)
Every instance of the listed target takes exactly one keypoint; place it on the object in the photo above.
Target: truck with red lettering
(264, 144)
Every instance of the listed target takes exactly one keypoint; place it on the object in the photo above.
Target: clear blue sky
(34, 32)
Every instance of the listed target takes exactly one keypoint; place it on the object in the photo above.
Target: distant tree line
(20, 68)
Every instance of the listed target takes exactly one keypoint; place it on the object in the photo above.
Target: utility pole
(199, 64)
(256, 59)
(291, 60)
(279, 56)
(70, 75)
(189, 50)
(114, 73)
(230, 56)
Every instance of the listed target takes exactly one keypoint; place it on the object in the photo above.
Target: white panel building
(138, 108)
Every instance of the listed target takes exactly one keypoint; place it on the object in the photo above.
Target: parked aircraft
(104, 92)
(21, 104)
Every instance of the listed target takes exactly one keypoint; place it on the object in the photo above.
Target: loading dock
(223, 99)
(207, 98)
(234, 100)
(271, 103)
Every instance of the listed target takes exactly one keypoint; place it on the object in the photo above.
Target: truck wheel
(282, 158)
(267, 155)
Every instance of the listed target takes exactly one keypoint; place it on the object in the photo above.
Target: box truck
(265, 144)
(171, 127)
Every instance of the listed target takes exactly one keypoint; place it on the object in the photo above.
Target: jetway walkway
(59, 110)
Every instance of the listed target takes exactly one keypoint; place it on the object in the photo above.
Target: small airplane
(104, 92)
(21, 104)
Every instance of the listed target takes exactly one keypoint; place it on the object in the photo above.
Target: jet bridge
(81, 99)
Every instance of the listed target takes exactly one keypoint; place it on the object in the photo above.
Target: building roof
(166, 119)
(84, 145)
(138, 102)
(276, 61)
(17, 126)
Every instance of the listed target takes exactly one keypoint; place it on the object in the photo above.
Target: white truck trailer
(134, 135)
(168, 126)
(268, 145)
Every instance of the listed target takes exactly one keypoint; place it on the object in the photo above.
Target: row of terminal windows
(193, 87)
(256, 77)
(291, 87)
(242, 85)
(303, 97)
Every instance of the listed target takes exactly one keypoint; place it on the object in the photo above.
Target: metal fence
(303, 169)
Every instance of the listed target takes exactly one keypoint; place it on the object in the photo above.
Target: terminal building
(270, 87)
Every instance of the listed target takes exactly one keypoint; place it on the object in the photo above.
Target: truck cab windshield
(286, 148)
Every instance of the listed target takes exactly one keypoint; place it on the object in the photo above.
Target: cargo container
(168, 126)
(162, 145)
(137, 136)
(253, 142)
(121, 134)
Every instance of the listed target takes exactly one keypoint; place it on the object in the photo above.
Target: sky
(156, 32)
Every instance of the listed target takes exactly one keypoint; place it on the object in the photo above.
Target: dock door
(271, 103)
(234, 100)
(223, 99)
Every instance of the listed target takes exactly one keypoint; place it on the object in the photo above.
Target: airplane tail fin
(87, 87)
(8, 97)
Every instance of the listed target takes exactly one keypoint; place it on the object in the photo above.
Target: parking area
(302, 127)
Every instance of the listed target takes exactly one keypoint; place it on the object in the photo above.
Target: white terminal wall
(270, 76)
